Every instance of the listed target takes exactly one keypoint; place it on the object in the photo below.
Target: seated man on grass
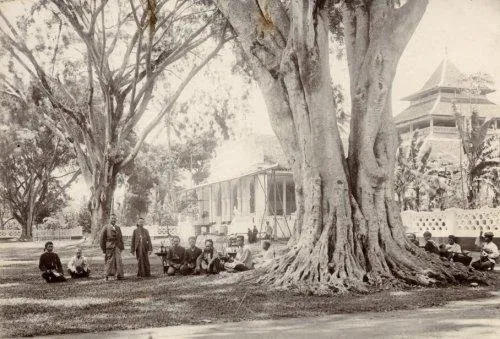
(190, 260)
(243, 260)
(175, 257)
(50, 265)
(77, 266)
(489, 253)
(208, 262)
(453, 251)
(430, 246)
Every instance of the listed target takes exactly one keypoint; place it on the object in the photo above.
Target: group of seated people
(453, 251)
(194, 260)
(51, 266)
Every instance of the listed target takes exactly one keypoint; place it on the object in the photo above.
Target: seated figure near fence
(175, 257)
(208, 261)
(489, 253)
(190, 260)
(50, 265)
(430, 245)
(243, 260)
(453, 251)
(77, 266)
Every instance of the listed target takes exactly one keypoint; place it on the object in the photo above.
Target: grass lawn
(29, 306)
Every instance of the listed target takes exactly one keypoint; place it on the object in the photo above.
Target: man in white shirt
(77, 266)
(453, 251)
(243, 260)
(489, 253)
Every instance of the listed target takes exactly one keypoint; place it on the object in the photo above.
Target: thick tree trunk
(348, 232)
(101, 200)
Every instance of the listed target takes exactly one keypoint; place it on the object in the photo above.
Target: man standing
(112, 247)
(142, 247)
(77, 266)
(50, 265)
(175, 256)
(192, 254)
(255, 234)
(489, 252)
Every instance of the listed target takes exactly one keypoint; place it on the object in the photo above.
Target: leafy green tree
(101, 94)
(412, 172)
(478, 149)
(33, 164)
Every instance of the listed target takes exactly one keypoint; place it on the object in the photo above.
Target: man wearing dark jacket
(50, 265)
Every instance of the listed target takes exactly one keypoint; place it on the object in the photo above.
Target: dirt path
(461, 319)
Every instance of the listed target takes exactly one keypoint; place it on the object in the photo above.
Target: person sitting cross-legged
(453, 251)
(175, 257)
(243, 260)
(208, 261)
(489, 253)
(191, 257)
(50, 265)
(77, 266)
(430, 246)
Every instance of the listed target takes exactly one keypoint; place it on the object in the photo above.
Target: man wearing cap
(112, 247)
(489, 252)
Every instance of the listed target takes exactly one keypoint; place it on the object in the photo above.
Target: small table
(163, 256)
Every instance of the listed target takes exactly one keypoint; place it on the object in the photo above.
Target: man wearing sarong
(112, 247)
(77, 266)
(175, 256)
(243, 260)
(142, 247)
(209, 261)
(50, 265)
(192, 254)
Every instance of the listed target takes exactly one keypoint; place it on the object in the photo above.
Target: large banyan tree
(348, 232)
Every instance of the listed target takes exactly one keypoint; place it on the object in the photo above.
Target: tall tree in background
(478, 149)
(348, 231)
(127, 46)
(32, 178)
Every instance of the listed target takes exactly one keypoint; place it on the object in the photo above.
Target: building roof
(446, 76)
(436, 97)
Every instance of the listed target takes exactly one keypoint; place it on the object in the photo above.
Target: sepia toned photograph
(250, 169)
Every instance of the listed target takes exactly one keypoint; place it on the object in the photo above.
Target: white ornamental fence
(10, 234)
(459, 222)
(154, 230)
(68, 233)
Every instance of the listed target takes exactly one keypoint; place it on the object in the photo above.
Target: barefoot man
(112, 247)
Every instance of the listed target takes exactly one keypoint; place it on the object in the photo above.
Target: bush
(84, 219)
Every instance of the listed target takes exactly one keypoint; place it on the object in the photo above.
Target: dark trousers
(50, 277)
(80, 273)
(483, 264)
(214, 268)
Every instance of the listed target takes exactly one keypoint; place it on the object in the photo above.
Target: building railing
(67, 233)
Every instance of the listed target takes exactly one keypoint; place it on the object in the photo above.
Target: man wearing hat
(489, 252)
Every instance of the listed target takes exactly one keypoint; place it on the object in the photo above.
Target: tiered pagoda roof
(446, 87)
